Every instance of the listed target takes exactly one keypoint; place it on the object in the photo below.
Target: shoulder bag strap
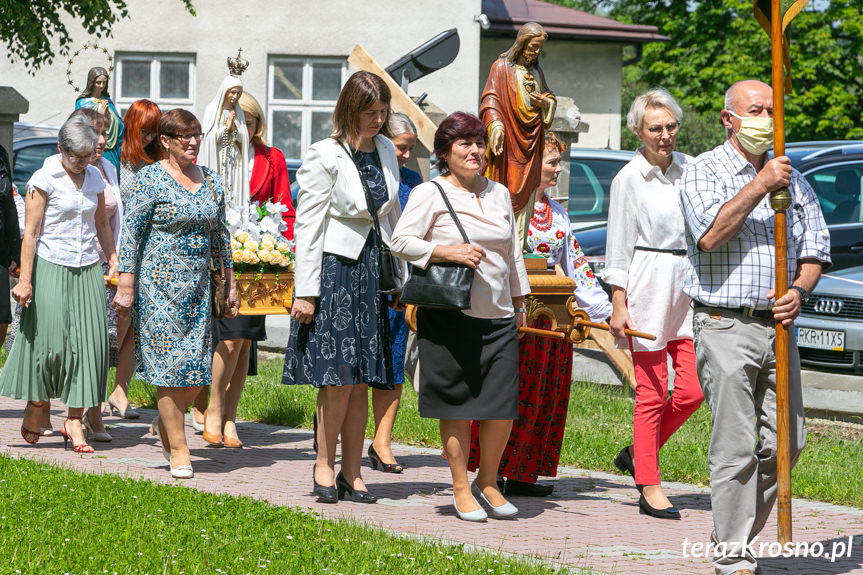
(218, 231)
(370, 201)
(451, 212)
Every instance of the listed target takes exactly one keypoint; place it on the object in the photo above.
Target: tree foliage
(714, 44)
(30, 28)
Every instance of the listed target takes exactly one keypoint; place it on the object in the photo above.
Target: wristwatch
(520, 310)
(804, 295)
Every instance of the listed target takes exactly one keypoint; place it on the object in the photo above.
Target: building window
(302, 94)
(167, 80)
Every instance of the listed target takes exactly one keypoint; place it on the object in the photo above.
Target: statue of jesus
(517, 108)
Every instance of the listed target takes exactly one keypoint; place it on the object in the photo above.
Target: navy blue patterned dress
(168, 235)
(348, 341)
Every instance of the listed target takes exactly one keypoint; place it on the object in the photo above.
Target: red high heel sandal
(80, 448)
(31, 437)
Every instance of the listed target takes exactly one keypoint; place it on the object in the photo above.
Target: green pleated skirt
(61, 350)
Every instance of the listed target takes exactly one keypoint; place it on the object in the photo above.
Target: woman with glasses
(114, 212)
(174, 224)
(645, 262)
(62, 346)
(339, 340)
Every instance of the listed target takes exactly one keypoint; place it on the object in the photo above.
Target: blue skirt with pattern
(349, 340)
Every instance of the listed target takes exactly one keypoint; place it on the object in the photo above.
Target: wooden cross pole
(780, 201)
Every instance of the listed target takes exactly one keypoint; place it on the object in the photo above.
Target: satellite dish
(435, 54)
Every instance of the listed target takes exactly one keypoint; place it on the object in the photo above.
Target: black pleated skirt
(468, 366)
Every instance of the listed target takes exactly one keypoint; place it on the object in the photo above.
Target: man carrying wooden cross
(724, 195)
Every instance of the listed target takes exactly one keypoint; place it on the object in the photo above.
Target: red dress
(544, 379)
(269, 181)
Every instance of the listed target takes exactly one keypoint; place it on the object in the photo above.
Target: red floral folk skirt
(544, 379)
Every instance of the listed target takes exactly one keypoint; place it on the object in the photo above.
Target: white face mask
(755, 134)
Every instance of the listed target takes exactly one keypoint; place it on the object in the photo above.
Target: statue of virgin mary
(225, 147)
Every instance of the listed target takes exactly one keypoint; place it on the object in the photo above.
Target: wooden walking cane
(780, 201)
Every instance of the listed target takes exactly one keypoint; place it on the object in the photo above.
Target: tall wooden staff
(780, 201)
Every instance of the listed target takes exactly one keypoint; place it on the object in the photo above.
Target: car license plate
(821, 339)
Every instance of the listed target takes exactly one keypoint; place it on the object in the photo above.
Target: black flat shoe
(348, 493)
(623, 461)
(325, 494)
(644, 508)
(526, 489)
(376, 460)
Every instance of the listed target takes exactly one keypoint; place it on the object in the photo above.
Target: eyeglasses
(670, 128)
(184, 139)
(78, 159)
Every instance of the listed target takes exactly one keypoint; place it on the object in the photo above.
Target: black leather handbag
(388, 269)
(444, 285)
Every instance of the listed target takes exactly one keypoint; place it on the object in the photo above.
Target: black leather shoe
(325, 494)
(526, 489)
(348, 493)
(623, 461)
(645, 509)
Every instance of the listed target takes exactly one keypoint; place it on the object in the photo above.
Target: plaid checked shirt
(739, 273)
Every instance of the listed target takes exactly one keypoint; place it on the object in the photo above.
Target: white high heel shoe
(182, 472)
(504, 511)
(477, 515)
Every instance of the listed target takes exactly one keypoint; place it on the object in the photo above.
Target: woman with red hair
(140, 148)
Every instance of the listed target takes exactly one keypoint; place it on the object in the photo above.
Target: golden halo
(89, 45)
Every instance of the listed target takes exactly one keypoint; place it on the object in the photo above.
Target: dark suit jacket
(269, 181)
(10, 235)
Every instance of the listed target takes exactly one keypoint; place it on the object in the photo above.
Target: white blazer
(332, 213)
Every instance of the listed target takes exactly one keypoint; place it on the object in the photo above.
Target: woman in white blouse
(645, 261)
(114, 212)
(62, 351)
(468, 358)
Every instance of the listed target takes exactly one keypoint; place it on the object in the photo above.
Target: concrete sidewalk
(592, 521)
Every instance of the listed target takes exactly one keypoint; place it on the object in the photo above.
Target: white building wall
(589, 73)
(386, 28)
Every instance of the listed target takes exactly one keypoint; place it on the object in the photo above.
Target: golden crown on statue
(238, 65)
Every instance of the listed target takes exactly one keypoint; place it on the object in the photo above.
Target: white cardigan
(332, 213)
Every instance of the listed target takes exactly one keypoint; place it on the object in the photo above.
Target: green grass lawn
(599, 424)
(60, 521)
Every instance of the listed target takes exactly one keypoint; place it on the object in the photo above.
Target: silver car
(830, 326)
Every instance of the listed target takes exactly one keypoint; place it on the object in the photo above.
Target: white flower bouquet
(257, 243)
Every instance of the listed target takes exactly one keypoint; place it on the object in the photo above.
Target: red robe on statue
(503, 100)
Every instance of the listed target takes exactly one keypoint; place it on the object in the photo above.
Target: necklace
(541, 218)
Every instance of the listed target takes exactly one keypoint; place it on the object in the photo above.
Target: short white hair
(653, 98)
(77, 136)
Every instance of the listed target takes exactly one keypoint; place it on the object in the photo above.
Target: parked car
(591, 171)
(830, 326)
(835, 171)
(31, 144)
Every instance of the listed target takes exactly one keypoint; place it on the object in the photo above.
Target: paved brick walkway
(592, 521)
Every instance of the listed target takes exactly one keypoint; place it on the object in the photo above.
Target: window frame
(305, 105)
(155, 59)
